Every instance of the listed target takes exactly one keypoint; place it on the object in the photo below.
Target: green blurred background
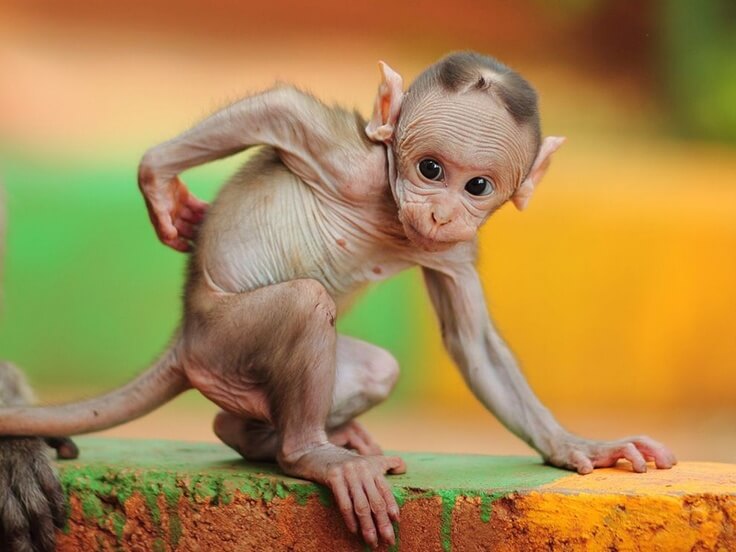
(617, 288)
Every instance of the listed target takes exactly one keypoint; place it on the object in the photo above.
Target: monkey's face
(459, 157)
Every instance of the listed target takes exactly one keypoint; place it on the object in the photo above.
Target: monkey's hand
(583, 455)
(32, 504)
(174, 211)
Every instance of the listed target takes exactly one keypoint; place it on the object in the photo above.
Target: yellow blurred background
(616, 288)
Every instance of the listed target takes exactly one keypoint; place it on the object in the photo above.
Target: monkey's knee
(381, 373)
(311, 301)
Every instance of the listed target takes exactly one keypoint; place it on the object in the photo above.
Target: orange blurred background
(616, 288)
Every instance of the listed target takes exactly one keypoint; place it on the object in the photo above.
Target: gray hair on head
(462, 71)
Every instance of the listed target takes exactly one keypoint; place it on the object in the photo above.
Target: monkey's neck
(391, 173)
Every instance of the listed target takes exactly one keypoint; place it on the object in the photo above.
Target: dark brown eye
(431, 169)
(479, 186)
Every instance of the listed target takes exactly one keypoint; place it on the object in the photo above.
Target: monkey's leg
(271, 354)
(365, 376)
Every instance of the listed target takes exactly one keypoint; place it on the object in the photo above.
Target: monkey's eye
(431, 169)
(479, 186)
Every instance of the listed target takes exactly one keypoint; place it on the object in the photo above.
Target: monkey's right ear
(387, 107)
(523, 193)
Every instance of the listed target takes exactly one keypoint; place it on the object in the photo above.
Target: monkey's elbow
(279, 93)
(147, 168)
(285, 99)
(148, 162)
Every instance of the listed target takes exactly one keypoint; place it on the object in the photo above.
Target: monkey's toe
(66, 449)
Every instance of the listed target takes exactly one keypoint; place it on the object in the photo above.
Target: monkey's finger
(388, 496)
(178, 244)
(632, 454)
(380, 511)
(162, 223)
(663, 458)
(581, 463)
(362, 510)
(344, 504)
(66, 449)
(197, 206)
(394, 465)
(186, 230)
(187, 215)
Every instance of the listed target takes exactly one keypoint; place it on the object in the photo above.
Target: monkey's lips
(425, 242)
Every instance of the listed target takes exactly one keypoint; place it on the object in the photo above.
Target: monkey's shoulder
(365, 178)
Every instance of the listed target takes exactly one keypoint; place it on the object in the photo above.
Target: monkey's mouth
(424, 242)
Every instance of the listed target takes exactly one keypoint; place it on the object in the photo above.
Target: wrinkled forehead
(470, 129)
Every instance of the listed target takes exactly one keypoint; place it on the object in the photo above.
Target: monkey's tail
(157, 385)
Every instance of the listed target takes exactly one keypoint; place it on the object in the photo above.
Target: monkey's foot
(361, 491)
(258, 441)
(583, 455)
(66, 449)
(353, 435)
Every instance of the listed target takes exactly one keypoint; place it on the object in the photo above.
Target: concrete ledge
(159, 495)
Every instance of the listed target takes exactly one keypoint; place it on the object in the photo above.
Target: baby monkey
(329, 203)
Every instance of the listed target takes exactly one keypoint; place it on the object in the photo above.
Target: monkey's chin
(425, 243)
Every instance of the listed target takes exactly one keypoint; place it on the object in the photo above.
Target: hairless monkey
(327, 204)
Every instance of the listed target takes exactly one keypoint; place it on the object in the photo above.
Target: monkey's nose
(439, 218)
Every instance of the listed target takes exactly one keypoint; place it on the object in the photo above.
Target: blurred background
(616, 288)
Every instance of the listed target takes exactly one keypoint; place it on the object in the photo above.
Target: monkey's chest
(298, 236)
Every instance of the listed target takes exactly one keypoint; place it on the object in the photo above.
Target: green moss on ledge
(166, 496)
(109, 472)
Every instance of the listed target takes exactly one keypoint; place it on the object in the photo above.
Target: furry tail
(156, 386)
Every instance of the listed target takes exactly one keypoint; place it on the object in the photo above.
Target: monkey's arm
(493, 375)
(321, 145)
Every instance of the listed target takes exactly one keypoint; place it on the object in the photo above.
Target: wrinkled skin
(440, 214)
(327, 206)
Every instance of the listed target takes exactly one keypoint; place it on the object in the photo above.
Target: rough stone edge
(137, 510)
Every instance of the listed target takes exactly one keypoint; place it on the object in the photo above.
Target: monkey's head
(463, 139)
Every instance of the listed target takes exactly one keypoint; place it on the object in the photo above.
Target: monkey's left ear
(387, 107)
(524, 192)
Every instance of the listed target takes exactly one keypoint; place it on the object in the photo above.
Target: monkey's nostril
(439, 221)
